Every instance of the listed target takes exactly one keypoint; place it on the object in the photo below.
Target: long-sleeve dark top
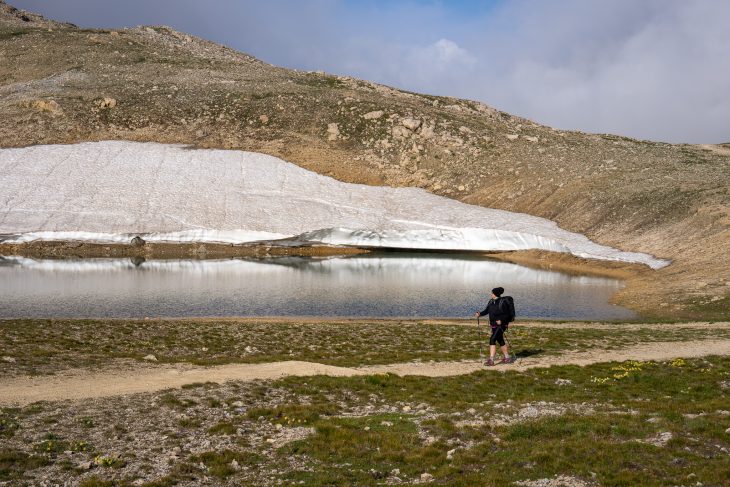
(495, 313)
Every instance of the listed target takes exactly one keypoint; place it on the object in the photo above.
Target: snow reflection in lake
(381, 285)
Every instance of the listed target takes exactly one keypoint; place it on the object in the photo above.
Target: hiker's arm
(482, 313)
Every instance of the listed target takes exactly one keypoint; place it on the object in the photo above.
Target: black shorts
(497, 336)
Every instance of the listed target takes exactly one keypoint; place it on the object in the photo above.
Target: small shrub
(14, 463)
(223, 428)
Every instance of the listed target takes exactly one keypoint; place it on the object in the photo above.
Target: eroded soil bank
(152, 250)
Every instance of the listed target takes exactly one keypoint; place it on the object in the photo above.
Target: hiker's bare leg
(492, 351)
(505, 351)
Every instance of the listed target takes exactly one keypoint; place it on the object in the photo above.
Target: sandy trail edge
(81, 384)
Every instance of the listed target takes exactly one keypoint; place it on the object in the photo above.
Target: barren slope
(61, 84)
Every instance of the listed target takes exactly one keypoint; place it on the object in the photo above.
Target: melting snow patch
(111, 191)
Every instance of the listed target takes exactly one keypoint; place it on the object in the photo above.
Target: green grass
(6, 34)
(718, 309)
(318, 80)
(608, 443)
(499, 427)
(14, 463)
(47, 346)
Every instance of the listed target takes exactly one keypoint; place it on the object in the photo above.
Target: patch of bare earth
(85, 384)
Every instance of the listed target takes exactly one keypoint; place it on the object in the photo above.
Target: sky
(650, 69)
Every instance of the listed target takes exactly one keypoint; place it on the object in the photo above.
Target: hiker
(499, 317)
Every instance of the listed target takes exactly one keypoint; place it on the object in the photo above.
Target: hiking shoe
(508, 360)
(489, 363)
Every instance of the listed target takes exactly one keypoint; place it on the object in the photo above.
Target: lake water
(385, 285)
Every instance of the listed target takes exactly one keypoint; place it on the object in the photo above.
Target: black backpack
(507, 306)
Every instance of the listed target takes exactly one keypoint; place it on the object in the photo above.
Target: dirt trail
(82, 384)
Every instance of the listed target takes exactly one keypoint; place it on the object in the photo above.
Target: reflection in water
(374, 285)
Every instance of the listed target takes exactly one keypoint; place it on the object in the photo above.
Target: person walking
(498, 320)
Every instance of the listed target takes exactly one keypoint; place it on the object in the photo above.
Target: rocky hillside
(63, 84)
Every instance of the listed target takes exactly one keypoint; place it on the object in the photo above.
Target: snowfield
(111, 191)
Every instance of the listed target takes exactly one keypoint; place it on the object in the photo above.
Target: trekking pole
(513, 354)
(481, 345)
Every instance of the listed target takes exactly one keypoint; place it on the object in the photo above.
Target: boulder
(137, 242)
(427, 131)
(373, 115)
(411, 124)
(106, 103)
(46, 106)
(333, 131)
(400, 132)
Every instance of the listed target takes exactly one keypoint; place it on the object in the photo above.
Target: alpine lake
(395, 284)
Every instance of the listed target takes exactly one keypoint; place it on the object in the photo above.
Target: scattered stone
(727, 431)
(406, 409)
(373, 115)
(386, 424)
(693, 416)
(264, 119)
(400, 132)
(450, 454)
(106, 103)
(85, 465)
(237, 404)
(235, 465)
(249, 349)
(367, 428)
(461, 188)
(558, 481)
(654, 420)
(427, 131)
(411, 124)
(530, 139)
(333, 131)
(512, 136)
(10, 360)
(563, 382)
(278, 426)
(137, 242)
(660, 440)
(426, 477)
(150, 358)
